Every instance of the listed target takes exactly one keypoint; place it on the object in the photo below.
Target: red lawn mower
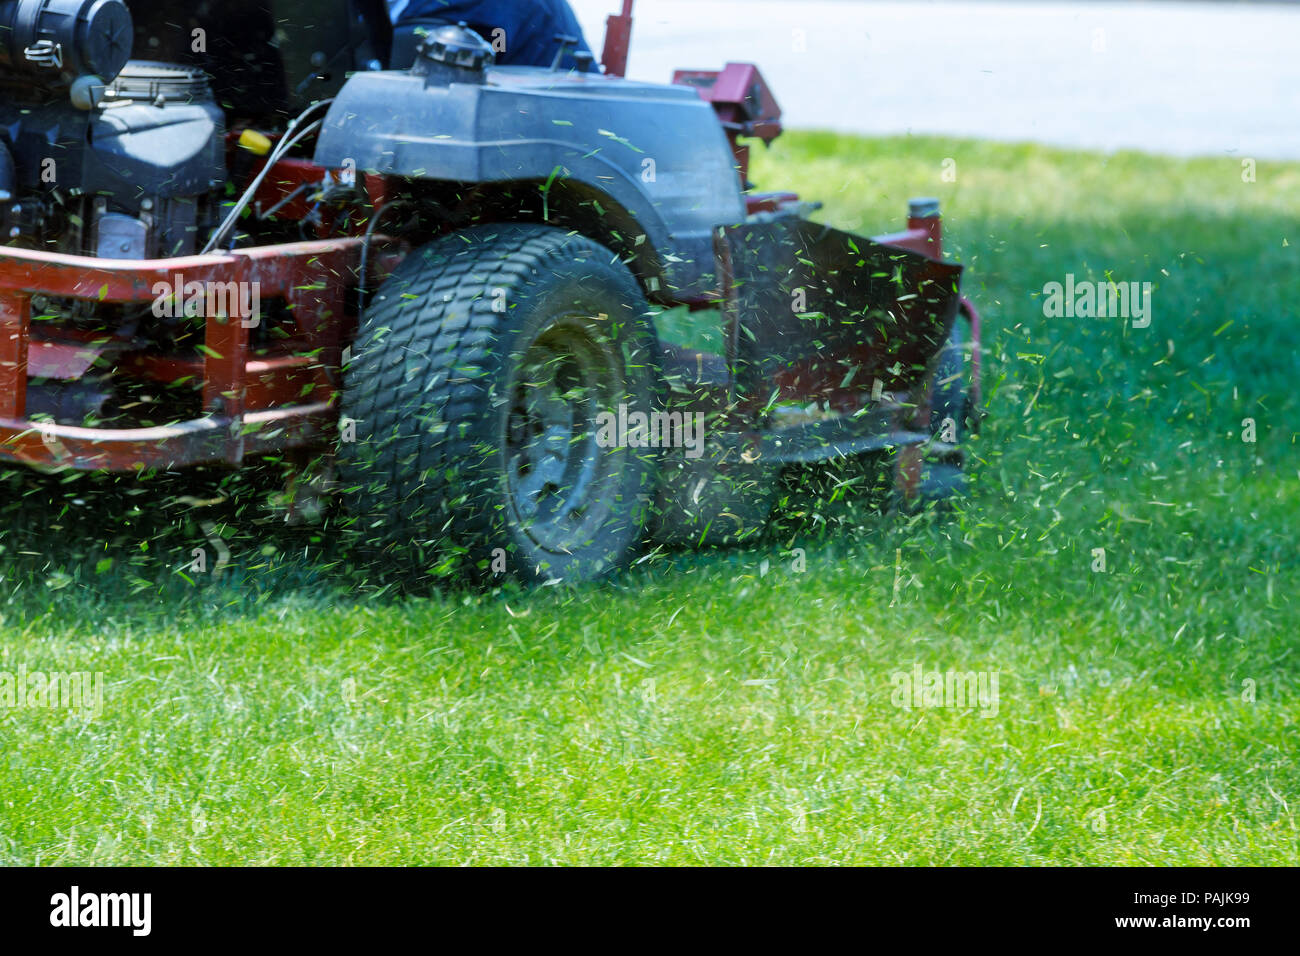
(449, 285)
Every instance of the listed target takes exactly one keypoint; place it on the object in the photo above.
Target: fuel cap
(454, 52)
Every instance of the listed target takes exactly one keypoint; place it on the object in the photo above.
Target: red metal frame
(744, 104)
(618, 40)
(290, 174)
(923, 234)
(254, 404)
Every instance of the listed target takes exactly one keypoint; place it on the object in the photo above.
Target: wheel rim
(561, 483)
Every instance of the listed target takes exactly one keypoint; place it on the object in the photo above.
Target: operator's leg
(522, 31)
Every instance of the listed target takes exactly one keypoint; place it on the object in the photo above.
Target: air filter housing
(51, 43)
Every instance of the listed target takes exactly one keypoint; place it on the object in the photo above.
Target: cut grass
(726, 707)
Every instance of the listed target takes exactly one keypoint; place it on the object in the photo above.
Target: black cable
(287, 142)
(365, 247)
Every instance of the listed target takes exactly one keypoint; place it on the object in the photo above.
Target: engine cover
(139, 149)
(151, 151)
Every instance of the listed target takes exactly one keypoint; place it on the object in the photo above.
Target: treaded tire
(463, 368)
(951, 399)
(941, 482)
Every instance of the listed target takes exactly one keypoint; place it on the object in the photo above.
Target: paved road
(1178, 78)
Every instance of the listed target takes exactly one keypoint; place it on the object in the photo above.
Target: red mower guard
(252, 403)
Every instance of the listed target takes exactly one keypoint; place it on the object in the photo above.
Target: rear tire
(917, 481)
(480, 369)
(950, 402)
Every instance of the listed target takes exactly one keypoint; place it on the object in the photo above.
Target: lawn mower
(528, 319)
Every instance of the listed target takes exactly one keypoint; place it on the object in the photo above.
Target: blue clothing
(530, 25)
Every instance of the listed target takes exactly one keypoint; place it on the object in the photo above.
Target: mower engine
(101, 155)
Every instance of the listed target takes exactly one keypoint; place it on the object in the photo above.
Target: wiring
(365, 247)
(292, 136)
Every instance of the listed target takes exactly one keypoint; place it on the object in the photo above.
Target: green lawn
(727, 707)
